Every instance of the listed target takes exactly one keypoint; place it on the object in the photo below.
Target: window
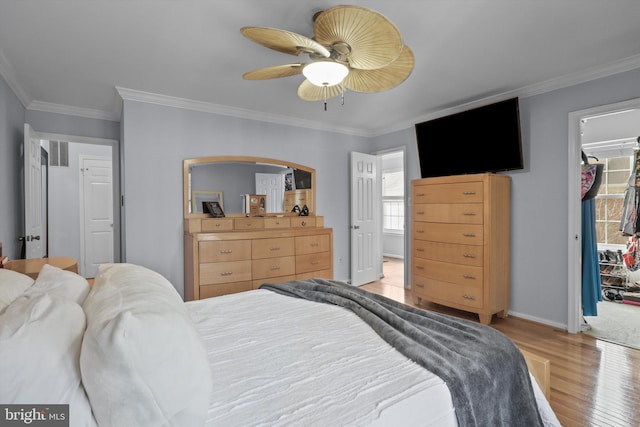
(610, 199)
(393, 201)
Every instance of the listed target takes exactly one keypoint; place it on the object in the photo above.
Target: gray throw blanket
(483, 369)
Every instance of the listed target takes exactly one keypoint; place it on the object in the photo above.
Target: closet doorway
(608, 136)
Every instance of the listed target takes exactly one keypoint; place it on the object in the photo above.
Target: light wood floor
(593, 382)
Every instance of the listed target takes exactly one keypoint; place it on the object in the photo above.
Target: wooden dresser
(236, 254)
(460, 242)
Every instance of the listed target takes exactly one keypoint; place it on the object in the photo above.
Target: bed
(129, 352)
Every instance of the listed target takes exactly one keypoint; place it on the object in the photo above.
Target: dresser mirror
(226, 179)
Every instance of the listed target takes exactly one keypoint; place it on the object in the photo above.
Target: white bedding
(277, 360)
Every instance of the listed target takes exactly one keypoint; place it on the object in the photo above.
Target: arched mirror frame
(188, 163)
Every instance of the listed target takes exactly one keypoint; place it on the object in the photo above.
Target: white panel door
(365, 219)
(272, 185)
(33, 224)
(97, 214)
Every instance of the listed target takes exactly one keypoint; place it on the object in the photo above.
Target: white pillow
(40, 340)
(56, 281)
(142, 360)
(12, 285)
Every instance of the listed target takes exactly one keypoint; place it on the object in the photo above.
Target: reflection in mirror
(230, 178)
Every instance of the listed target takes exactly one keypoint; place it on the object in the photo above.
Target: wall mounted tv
(484, 139)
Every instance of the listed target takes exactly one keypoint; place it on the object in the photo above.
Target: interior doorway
(393, 215)
(64, 224)
(607, 141)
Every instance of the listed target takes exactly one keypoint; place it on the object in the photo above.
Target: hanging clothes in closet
(630, 223)
(591, 283)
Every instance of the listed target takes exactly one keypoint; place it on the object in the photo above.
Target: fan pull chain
(342, 92)
(324, 92)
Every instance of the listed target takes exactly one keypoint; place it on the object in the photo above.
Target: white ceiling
(71, 55)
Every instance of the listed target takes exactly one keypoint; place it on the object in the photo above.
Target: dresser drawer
(459, 192)
(469, 234)
(322, 274)
(277, 223)
(312, 244)
(248, 223)
(303, 221)
(225, 272)
(270, 248)
(217, 224)
(455, 213)
(448, 252)
(209, 291)
(468, 275)
(313, 262)
(273, 267)
(259, 282)
(447, 293)
(223, 251)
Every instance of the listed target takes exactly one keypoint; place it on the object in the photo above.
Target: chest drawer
(467, 275)
(225, 272)
(465, 234)
(273, 267)
(313, 262)
(209, 291)
(455, 213)
(448, 252)
(447, 293)
(269, 248)
(459, 192)
(222, 251)
(312, 244)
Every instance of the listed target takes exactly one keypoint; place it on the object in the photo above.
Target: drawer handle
(218, 225)
(469, 256)
(275, 267)
(471, 297)
(419, 267)
(419, 285)
(315, 262)
(469, 213)
(226, 273)
(420, 231)
(226, 251)
(419, 249)
(304, 223)
(420, 213)
(275, 248)
(469, 234)
(469, 193)
(419, 194)
(469, 276)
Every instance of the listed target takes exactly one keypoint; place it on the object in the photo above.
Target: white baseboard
(538, 320)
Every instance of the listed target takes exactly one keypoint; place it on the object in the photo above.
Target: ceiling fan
(352, 48)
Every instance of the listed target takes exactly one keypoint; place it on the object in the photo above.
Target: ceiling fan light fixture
(325, 73)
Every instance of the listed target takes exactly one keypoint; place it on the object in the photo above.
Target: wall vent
(59, 153)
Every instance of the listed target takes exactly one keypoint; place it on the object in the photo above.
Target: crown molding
(9, 75)
(550, 85)
(224, 110)
(90, 113)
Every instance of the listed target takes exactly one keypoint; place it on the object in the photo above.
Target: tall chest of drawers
(229, 255)
(460, 243)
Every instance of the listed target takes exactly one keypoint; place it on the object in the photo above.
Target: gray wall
(539, 207)
(155, 141)
(11, 138)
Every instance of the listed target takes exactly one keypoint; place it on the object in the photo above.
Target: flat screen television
(484, 139)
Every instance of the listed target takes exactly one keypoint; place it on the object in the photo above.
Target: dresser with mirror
(249, 221)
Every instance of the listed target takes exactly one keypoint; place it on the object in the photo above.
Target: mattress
(277, 360)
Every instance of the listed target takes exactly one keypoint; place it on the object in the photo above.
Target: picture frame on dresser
(200, 196)
(213, 208)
